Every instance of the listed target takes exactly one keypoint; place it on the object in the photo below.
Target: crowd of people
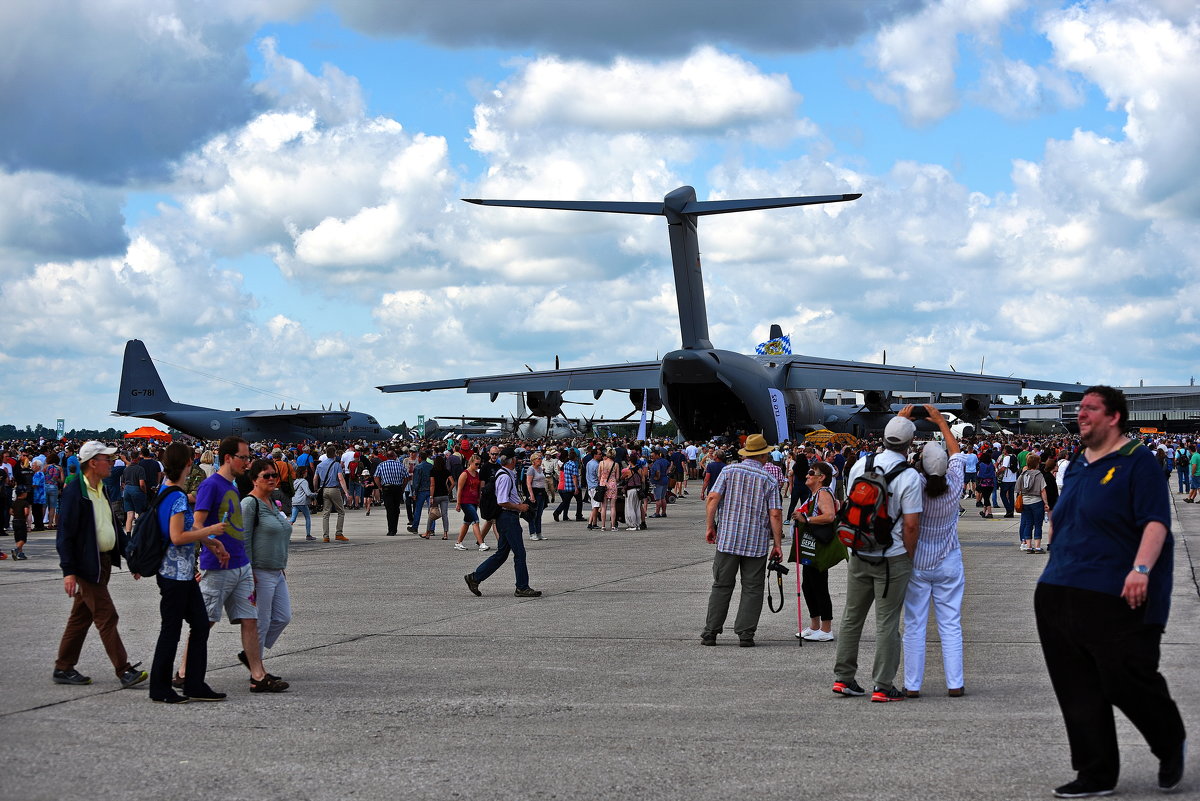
(229, 512)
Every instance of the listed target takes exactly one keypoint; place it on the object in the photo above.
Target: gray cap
(899, 431)
(934, 460)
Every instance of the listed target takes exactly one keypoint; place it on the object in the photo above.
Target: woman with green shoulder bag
(818, 550)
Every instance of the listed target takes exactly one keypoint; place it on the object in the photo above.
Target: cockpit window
(372, 420)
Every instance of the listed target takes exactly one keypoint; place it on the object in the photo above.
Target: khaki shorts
(232, 590)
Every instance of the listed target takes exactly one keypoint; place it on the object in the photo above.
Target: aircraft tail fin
(141, 388)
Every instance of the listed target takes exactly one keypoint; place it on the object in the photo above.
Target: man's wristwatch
(1143, 569)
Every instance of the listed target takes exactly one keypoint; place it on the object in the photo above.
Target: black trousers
(1100, 655)
(800, 494)
(392, 495)
(564, 507)
(180, 601)
(815, 585)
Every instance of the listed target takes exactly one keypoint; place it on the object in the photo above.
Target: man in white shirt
(885, 571)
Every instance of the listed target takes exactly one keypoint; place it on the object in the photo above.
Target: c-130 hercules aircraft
(708, 391)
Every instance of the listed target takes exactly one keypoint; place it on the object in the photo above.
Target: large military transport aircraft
(708, 391)
(142, 394)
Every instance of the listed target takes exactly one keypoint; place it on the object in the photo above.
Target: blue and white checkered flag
(775, 347)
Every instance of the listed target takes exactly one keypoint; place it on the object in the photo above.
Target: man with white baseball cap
(881, 574)
(90, 543)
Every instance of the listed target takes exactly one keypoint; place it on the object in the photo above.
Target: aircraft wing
(298, 416)
(811, 372)
(632, 375)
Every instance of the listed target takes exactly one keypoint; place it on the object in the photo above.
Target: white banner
(780, 410)
(641, 435)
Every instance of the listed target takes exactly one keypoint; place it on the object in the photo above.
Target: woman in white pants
(937, 573)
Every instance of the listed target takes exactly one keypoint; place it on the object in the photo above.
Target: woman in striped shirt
(937, 573)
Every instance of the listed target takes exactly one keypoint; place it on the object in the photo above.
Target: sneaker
(819, 636)
(206, 694)
(643, 526)
(483, 546)
(884, 696)
(71, 676)
(800, 635)
(325, 539)
(309, 538)
(472, 583)
(1037, 550)
(3, 556)
(528, 592)
(848, 688)
(1024, 546)
(1170, 770)
(341, 538)
(173, 698)
(16, 556)
(1080, 789)
(458, 546)
(631, 528)
(708, 639)
(133, 676)
(745, 642)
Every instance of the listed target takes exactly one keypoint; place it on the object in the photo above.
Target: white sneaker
(800, 635)
(631, 528)
(458, 546)
(483, 546)
(820, 636)
(1024, 546)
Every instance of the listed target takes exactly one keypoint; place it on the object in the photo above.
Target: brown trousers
(93, 604)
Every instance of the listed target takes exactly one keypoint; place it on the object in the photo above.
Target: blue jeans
(1032, 515)
(540, 499)
(1007, 496)
(508, 527)
(418, 505)
(296, 510)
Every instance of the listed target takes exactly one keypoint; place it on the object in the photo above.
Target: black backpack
(489, 507)
(147, 544)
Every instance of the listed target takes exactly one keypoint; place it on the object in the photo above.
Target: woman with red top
(468, 504)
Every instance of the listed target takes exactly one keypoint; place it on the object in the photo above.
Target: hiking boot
(341, 538)
(848, 688)
(472, 583)
(325, 539)
(528, 592)
(71, 676)
(1081, 789)
(1170, 770)
(133, 676)
(884, 696)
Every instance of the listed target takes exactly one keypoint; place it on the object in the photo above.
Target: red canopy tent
(149, 432)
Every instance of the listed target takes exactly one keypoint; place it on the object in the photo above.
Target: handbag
(602, 488)
(816, 554)
(435, 512)
(1018, 504)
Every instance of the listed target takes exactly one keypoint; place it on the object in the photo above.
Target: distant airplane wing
(632, 375)
(299, 416)
(811, 372)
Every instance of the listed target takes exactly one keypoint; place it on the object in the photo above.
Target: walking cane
(799, 610)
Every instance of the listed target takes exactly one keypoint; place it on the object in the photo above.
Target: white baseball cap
(934, 460)
(93, 448)
(899, 431)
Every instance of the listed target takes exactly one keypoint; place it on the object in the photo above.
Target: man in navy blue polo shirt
(1102, 602)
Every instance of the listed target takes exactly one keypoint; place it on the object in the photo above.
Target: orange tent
(149, 432)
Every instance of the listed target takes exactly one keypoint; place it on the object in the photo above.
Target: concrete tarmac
(404, 685)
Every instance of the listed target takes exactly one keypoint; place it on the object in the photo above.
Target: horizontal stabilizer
(701, 207)
(615, 207)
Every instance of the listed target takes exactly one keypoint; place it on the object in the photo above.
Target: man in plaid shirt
(750, 525)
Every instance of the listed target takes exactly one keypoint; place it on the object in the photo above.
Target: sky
(268, 191)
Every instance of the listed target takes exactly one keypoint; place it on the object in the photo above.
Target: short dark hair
(256, 468)
(229, 447)
(1114, 401)
(176, 458)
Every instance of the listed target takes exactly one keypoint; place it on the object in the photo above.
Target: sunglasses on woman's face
(813, 473)
(268, 476)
